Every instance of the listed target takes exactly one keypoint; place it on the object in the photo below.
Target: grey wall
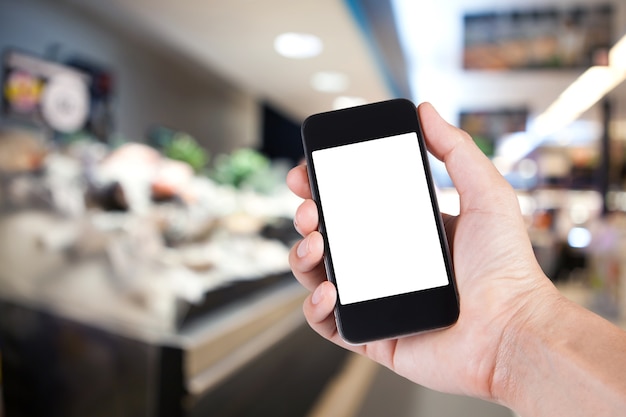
(153, 85)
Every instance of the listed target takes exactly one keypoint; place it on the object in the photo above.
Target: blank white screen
(379, 220)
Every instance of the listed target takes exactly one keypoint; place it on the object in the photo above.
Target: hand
(498, 278)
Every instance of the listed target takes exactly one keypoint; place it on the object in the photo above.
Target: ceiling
(235, 39)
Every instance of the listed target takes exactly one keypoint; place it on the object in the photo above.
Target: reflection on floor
(284, 381)
(391, 395)
(365, 389)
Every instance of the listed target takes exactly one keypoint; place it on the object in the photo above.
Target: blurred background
(144, 220)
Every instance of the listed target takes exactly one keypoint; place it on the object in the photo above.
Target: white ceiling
(235, 39)
(432, 34)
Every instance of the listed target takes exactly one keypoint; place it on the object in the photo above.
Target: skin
(518, 341)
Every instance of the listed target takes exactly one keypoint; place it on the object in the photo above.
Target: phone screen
(385, 247)
(379, 219)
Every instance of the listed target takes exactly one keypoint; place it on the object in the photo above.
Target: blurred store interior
(144, 219)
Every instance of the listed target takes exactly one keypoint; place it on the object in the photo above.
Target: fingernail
(317, 295)
(303, 248)
(295, 226)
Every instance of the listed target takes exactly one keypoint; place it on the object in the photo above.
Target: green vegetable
(184, 147)
(240, 167)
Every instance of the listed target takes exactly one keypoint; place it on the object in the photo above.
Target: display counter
(252, 353)
(169, 307)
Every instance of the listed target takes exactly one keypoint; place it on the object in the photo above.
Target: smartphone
(385, 246)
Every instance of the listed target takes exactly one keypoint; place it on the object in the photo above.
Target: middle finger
(306, 218)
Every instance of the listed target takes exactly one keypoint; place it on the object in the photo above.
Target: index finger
(471, 171)
(298, 181)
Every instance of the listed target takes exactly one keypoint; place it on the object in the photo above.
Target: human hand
(498, 278)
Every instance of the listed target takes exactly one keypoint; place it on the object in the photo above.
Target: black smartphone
(385, 246)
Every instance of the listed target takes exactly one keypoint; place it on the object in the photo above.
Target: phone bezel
(397, 315)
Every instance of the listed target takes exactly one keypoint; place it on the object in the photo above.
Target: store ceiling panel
(235, 38)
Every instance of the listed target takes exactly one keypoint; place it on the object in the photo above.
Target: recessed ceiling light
(298, 45)
(343, 102)
(330, 81)
(617, 54)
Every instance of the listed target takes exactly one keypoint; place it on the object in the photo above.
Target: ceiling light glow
(330, 82)
(587, 90)
(298, 45)
(343, 102)
(617, 54)
(579, 237)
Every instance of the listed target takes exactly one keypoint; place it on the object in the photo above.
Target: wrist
(521, 342)
(557, 358)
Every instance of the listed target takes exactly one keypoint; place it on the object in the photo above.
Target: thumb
(474, 176)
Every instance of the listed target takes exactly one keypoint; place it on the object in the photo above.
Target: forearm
(562, 361)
